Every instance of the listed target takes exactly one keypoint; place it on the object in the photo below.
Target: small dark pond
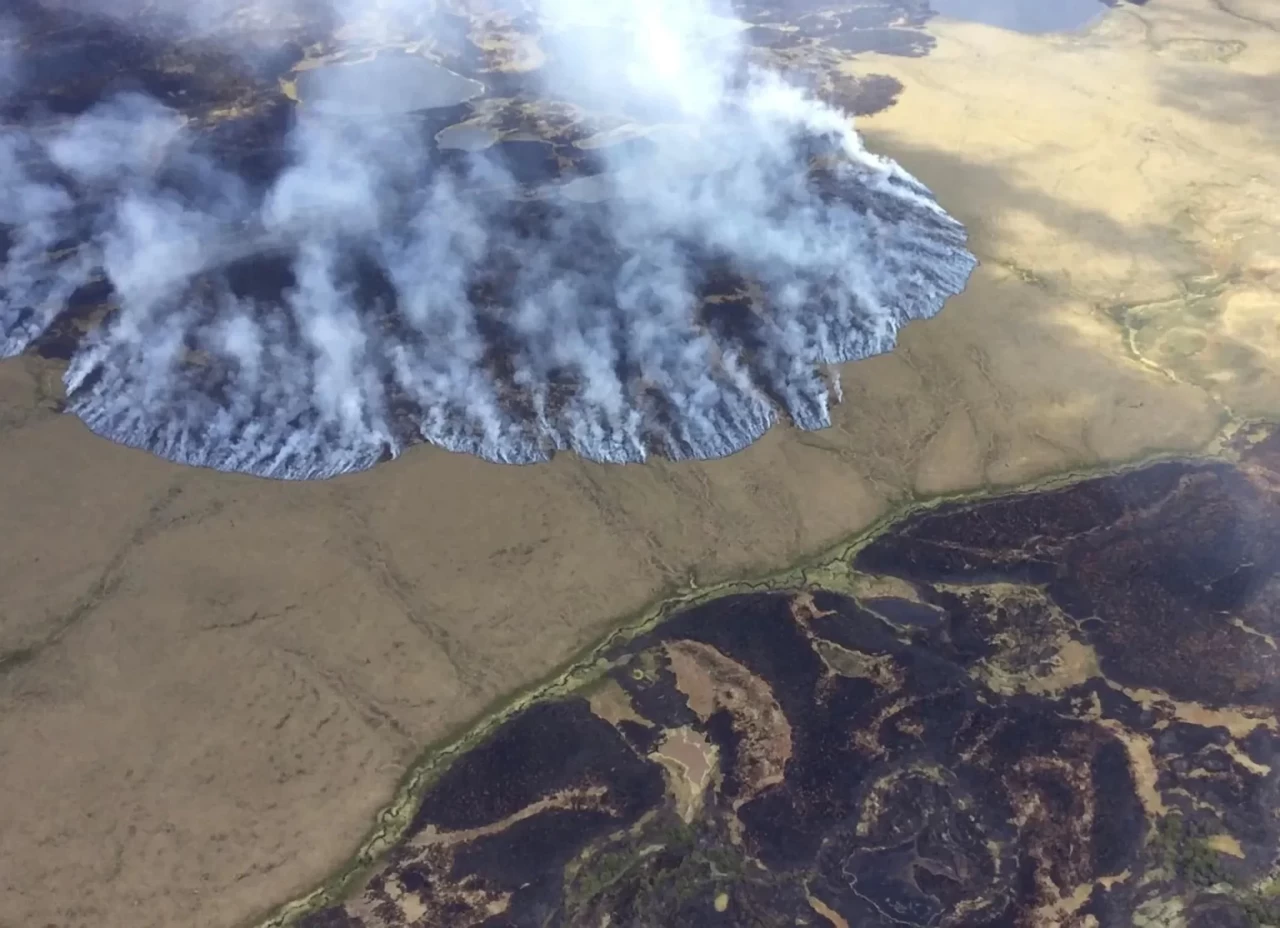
(1023, 15)
(385, 84)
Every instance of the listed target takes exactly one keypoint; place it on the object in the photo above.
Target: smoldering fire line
(379, 292)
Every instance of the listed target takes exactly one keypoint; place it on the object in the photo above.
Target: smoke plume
(695, 280)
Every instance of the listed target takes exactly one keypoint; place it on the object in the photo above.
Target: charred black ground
(1065, 713)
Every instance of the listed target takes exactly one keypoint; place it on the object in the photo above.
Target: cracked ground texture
(210, 684)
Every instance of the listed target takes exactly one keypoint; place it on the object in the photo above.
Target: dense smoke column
(380, 293)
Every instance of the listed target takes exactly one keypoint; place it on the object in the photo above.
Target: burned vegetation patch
(488, 243)
(1070, 721)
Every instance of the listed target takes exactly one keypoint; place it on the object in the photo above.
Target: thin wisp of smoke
(379, 292)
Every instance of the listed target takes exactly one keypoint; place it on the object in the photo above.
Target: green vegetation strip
(1183, 849)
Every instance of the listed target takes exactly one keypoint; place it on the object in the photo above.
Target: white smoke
(11, 38)
(600, 342)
